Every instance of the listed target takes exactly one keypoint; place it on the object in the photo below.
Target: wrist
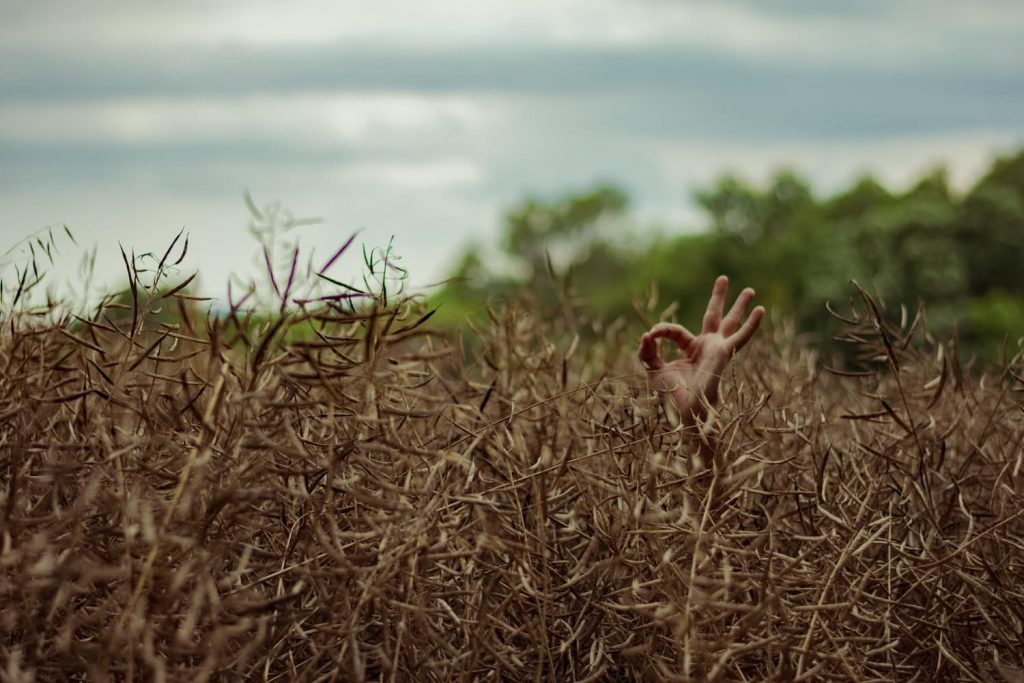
(688, 406)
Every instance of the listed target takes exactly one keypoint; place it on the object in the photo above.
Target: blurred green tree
(538, 229)
(960, 255)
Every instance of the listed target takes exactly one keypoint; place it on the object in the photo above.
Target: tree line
(959, 254)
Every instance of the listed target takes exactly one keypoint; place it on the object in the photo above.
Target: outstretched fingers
(716, 304)
(743, 335)
(732, 319)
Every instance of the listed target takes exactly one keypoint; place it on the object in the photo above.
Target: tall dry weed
(340, 492)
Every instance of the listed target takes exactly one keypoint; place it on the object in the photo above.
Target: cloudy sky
(129, 120)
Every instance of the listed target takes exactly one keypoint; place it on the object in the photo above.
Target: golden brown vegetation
(341, 493)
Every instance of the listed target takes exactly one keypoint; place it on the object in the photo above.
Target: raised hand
(697, 372)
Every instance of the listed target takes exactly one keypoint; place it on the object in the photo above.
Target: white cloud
(830, 164)
(440, 174)
(893, 34)
(340, 117)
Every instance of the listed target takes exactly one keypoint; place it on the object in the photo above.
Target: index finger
(681, 336)
(648, 352)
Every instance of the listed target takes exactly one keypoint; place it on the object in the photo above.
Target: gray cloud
(240, 70)
(647, 91)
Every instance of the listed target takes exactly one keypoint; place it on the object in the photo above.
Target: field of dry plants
(339, 491)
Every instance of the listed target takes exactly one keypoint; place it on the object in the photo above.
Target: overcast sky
(129, 120)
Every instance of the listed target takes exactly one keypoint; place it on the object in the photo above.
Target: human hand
(698, 371)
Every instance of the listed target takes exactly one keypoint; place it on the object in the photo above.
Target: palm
(699, 368)
(696, 374)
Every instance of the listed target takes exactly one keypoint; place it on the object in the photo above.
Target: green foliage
(959, 255)
(540, 237)
(536, 227)
(994, 323)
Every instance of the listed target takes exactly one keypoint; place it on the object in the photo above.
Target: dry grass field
(342, 492)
